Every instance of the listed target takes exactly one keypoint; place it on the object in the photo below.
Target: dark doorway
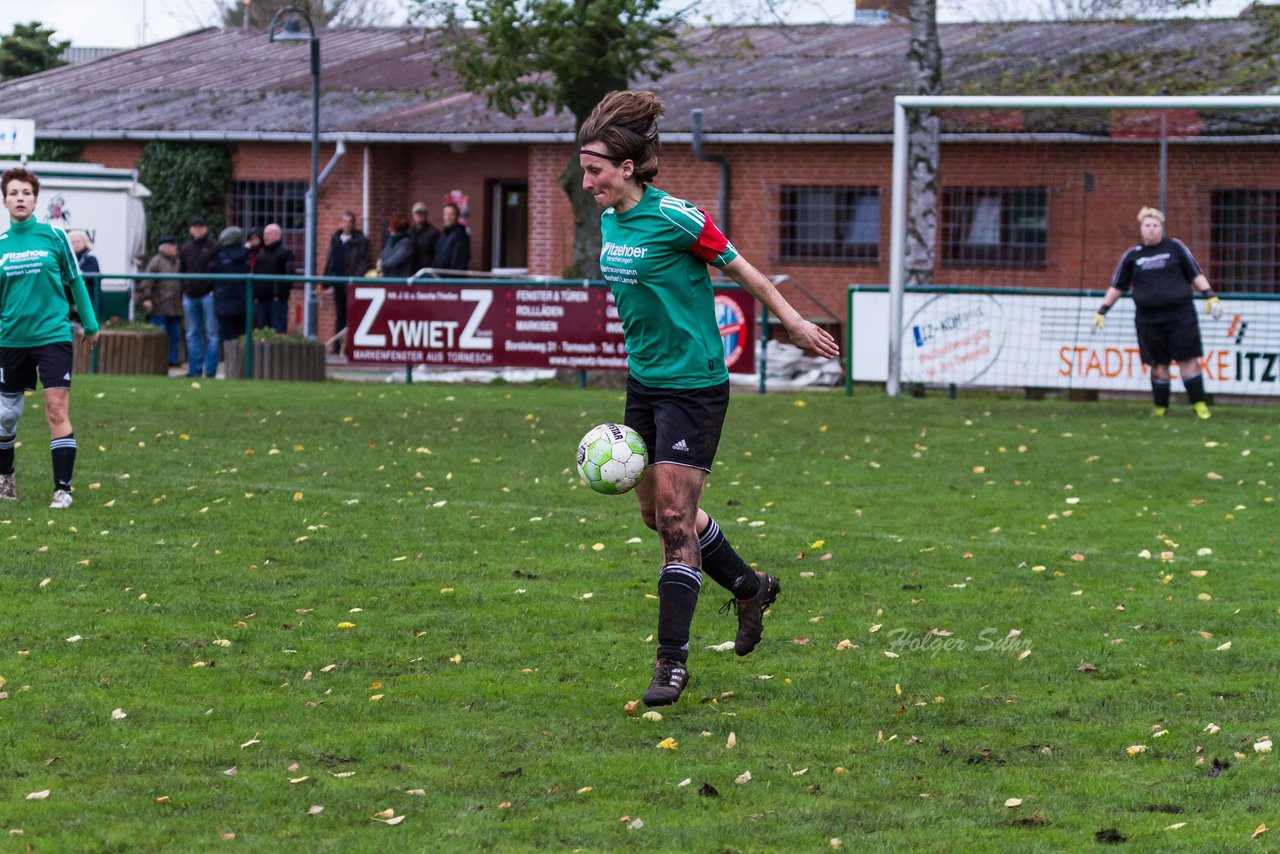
(509, 215)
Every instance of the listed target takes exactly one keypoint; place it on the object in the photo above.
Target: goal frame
(898, 187)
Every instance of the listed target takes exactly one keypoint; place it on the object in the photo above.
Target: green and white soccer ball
(612, 458)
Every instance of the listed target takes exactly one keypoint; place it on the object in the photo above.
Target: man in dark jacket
(348, 256)
(424, 236)
(160, 300)
(453, 251)
(271, 299)
(197, 301)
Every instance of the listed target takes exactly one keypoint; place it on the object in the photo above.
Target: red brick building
(802, 116)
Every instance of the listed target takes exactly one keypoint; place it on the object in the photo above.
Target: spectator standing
(453, 250)
(261, 290)
(348, 256)
(160, 300)
(83, 248)
(229, 295)
(88, 263)
(274, 259)
(424, 235)
(253, 245)
(197, 301)
(396, 260)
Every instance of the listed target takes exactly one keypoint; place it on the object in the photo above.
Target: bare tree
(925, 58)
(258, 13)
(1070, 10)
(551, 55)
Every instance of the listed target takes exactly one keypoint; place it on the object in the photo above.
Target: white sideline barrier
(1022, 340)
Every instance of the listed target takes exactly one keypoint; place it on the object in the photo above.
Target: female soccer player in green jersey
(655, 252)
(36, 262)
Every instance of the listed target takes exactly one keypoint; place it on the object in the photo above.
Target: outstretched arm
(84, 305)
(807, 336)
(1109, 299)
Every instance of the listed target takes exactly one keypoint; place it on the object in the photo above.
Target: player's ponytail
(627, 123)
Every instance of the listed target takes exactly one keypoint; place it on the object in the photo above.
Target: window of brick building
(829, 224)
(254, 204)
(1244, 232)
(995, 226)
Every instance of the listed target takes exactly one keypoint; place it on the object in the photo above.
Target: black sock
(723, 564)
(678, 587)
(1160, 392)
(6, 454)
(64, 460)
(1195, 387)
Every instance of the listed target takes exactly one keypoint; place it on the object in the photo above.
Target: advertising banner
(513, 326)
(1004, 340)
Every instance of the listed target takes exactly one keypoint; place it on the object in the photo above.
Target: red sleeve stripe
(711, 243)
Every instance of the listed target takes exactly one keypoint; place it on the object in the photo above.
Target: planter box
(277, 359)
(124, 351)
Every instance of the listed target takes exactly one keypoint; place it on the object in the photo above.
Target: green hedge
(185, 179)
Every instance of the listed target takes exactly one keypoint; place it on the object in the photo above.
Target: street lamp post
(290, 30)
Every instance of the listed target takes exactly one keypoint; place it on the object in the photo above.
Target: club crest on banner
(733, 328)
(56, 211)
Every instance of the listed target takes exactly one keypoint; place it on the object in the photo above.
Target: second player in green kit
(37, 265)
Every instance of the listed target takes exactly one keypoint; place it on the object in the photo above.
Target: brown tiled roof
(818, 79)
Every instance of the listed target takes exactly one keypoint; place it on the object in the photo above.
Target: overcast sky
(120, 23)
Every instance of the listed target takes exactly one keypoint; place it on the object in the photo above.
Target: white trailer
(106, 204)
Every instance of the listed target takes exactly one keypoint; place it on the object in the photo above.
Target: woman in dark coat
(396, 260)
(229, 296)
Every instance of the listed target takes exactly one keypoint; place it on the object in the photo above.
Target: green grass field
(278, 611)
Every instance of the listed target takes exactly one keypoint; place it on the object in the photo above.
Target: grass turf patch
(366, 598)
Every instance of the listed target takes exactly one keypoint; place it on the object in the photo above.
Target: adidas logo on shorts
(682, 445)
(67, 376)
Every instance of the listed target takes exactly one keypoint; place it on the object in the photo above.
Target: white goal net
(1036, 201)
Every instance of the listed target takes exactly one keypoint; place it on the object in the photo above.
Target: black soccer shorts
(1171, 339)
(21, 366)
(680, 426)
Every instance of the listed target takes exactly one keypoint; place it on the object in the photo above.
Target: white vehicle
(106, 204)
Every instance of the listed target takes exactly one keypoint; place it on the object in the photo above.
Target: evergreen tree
(29, 49)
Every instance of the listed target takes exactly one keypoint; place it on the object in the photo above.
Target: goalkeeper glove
(1214, 306)
(1098, 319)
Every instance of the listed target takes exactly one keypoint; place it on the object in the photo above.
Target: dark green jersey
(36, 262)
(655, 258)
